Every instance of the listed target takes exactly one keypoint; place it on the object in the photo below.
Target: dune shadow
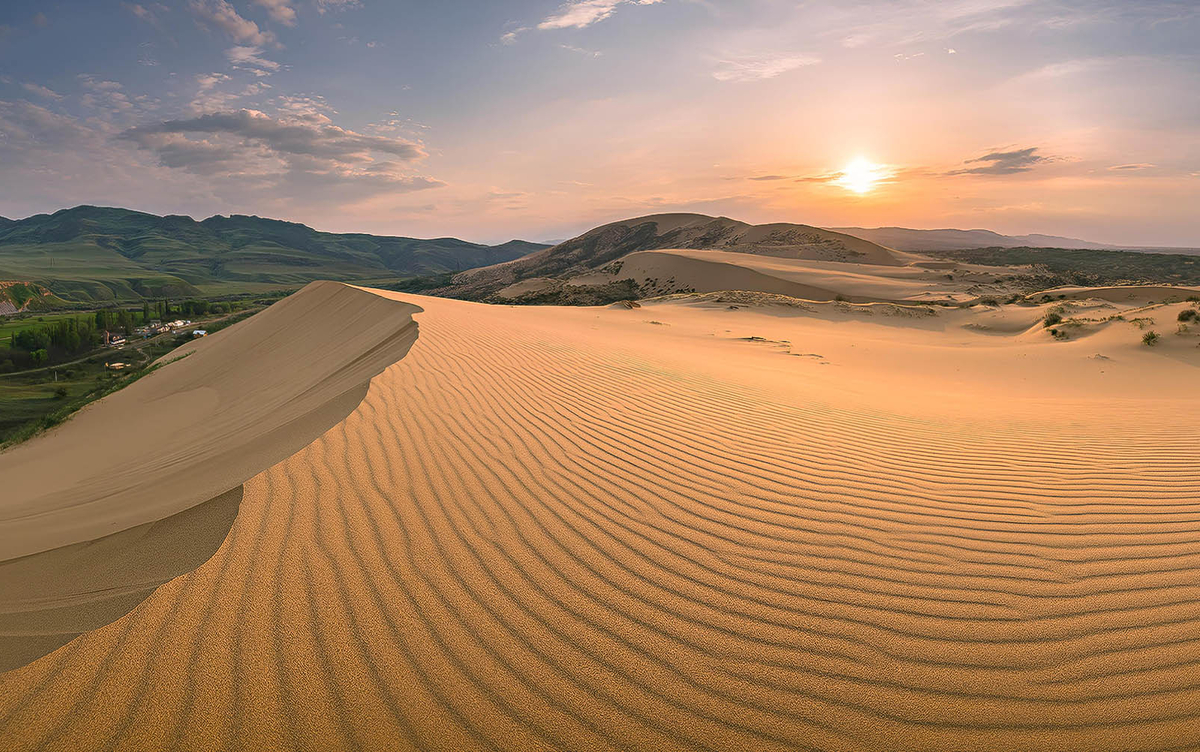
(49, 598)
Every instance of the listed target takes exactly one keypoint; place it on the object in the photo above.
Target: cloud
(289, 138)
(770, 177)
(207, 81)
(147, 13)
(1004, 162)
(25, 124)
(250, 58)
(581, 51)
(578, 14)
(1132, 167)
(42, 91)
(912, 21)
(509, 37)
(222, 15)
(107, 96)
(279, 10)
(324, 6)
(760, 67)
(298, 156)
(95, 84)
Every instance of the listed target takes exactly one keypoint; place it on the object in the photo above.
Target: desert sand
(730, 521)
(143, 485)
(711, 271)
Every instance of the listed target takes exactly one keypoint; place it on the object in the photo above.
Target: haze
(537, 119)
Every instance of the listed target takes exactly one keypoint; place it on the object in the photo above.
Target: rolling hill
(91, 253)
(905, 239)
(603, 245)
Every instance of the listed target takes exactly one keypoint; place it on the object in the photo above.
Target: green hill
(94, 253)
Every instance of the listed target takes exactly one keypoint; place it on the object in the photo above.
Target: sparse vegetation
(1052, 267)
(1052, 318)
(1150, 338)
(1188, 314)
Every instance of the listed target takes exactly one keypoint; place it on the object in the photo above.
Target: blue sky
(539, 119)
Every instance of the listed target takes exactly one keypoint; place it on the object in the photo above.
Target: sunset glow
(539, 119)
(860, 176)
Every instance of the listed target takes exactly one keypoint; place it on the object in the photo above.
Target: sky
(539, 119)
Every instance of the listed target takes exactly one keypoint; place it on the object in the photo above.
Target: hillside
(905, 239)
(597, 248)
(94, 253)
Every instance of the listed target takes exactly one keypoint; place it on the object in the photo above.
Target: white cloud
(222, 15)
(509, 37)
(760, 67)
(576, 14)
(107, 96)
(42, 91)
(581, 50)
(324, 6)
(250, 58)
(279, 10)
(581, 13)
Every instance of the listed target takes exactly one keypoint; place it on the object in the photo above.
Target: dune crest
(120, 480)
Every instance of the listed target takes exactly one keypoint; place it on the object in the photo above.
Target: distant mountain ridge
(608, 243)
(916, 241)
(91, 253)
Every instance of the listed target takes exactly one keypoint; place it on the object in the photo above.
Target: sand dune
(710, 271)
(680, 526)
(599, 247)
(131, 469)
(1129, 294)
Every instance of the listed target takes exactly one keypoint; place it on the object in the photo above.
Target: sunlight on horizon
(860, 176)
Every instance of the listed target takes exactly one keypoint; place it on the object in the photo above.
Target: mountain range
(905, 239)
(92, 253)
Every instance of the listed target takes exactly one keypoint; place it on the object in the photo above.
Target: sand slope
(709, 271)
(600, 246)
(685, 527)
(98, 512)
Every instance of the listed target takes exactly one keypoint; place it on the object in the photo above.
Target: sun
(860, 176)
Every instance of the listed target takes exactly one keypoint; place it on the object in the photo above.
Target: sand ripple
(532, 535)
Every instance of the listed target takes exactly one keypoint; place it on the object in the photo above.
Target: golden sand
(681, 526)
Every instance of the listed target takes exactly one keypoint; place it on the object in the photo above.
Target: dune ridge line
(144, 484)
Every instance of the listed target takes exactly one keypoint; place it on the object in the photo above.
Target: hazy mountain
(904, 239)
(96, 253)
(602, 245)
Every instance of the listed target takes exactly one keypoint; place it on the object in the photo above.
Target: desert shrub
(1188, 314)
(60, 393)
(1052, 318)
(1150, 339)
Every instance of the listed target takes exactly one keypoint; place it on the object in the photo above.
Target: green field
(12, 324)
